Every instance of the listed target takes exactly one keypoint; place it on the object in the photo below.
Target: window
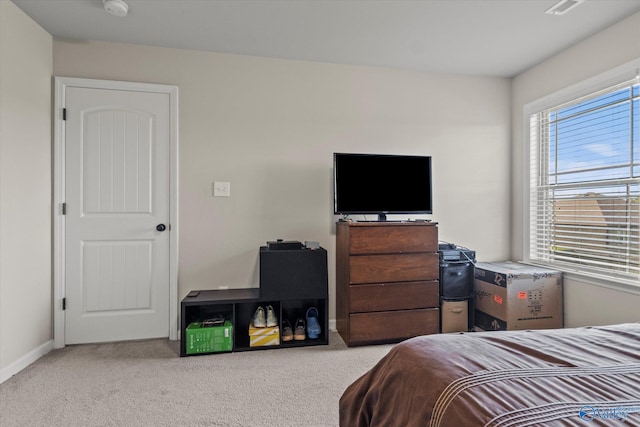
(584, 187)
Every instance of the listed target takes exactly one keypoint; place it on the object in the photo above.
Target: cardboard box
(263, 337)
(510, 296)
(209, 339)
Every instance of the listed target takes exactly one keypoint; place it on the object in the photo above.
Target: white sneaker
(258, 318)
(272, 320)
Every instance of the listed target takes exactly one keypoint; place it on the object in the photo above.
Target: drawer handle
(456, 310)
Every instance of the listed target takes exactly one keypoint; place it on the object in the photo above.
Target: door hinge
(64, 303)
(64, 114)
(64, 209)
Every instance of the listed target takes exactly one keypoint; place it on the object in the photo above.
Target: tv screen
(381, 184)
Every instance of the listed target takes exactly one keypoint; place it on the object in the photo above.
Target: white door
(117, 187)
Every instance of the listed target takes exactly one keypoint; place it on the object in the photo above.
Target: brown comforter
(561, 377)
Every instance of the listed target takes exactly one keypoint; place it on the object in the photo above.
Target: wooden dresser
(386, 281)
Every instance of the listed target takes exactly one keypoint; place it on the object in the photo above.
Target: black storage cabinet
(456, 285)
(291, 281)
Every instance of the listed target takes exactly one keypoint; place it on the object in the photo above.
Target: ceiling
(475, 37)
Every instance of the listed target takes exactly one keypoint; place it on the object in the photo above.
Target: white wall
(25, 190)
(585, 303)
(270, 127)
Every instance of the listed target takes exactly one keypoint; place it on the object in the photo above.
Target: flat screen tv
(381, 184)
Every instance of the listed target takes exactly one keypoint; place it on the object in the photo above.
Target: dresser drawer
(393, 239)
(393, 268)
(392, 326)
(393, 296)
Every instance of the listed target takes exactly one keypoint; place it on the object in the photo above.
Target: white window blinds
(585, 184)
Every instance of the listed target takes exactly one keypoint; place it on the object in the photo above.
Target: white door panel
(117, 275)
(117, 160)
(117, 192)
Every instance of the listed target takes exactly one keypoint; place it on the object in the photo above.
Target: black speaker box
(293, 274)
(453, 252)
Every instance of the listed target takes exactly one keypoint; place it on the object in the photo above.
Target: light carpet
(146, 383)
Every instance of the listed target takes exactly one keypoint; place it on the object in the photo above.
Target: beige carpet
(145, 383)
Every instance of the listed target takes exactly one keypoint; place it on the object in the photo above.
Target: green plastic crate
(209, 339)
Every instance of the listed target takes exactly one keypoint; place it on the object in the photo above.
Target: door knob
(161, 227)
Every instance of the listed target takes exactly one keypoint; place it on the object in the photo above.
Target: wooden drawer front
(393, 268)
(393, 239)
(393, 296)
(393, 326)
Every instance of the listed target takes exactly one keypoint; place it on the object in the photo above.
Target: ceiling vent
(562, 7)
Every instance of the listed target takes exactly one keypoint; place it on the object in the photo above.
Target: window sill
(620, 285)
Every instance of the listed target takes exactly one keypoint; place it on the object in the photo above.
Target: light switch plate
(221, 189)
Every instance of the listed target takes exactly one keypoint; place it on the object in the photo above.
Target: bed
(554, 377)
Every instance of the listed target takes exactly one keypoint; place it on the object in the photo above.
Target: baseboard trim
(332, 325)
(24, 361)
